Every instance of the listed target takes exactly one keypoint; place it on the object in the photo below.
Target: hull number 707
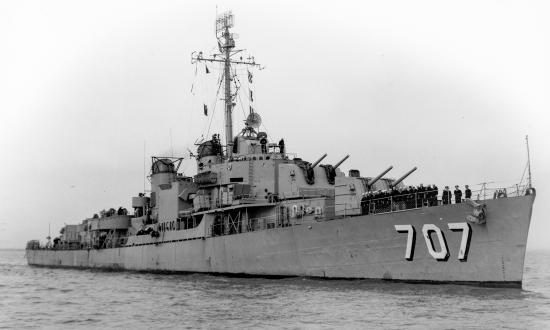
(429, 231)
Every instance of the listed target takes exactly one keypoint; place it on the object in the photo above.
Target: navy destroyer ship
(254, 209)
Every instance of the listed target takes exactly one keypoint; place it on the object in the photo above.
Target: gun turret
(378, 177)
(396, 182)
(318, 161)
(340, 162)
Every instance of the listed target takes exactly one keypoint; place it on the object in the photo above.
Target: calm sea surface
(66, 298)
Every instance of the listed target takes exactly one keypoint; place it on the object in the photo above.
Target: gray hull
(367, 246)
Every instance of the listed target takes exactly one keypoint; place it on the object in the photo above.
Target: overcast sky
(450, 87)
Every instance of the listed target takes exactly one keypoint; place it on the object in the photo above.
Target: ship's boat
(254, 209)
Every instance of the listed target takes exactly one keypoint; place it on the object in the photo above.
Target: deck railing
(515, 190)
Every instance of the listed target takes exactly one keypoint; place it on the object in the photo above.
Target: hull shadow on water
(491, 290)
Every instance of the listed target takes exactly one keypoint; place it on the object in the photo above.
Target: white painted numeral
(466, 236)
(427, 230)
(411, 239)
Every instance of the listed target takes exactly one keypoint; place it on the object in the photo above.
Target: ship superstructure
(252, 208)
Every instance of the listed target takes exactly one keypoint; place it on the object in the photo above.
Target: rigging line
(523, 175)
(193, 99)
(237, 80)
(241, 104)
(212, 116)
(214, 107)
(194, 78)
(206, 92)
(266, 130)
(221, 76)
(501, 182)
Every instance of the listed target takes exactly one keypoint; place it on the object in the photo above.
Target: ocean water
(33, 298)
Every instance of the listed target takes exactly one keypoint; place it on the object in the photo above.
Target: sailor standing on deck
(458, 195)
(282, 146)
(420, 193)
(467, 192)
(263, 143)
(446, 196)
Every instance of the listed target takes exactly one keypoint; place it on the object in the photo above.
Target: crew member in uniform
(467, 192)
(458, 195)
(365, 204)
(420, 195)
(263, 143)
(446, 196)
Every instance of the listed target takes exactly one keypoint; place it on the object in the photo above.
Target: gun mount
(340, 162)
(318, 161)
(378, 177)
(398, 181)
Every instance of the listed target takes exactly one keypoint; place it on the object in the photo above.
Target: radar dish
(254, 120)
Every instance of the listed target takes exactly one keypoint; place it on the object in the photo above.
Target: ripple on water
(68, 298)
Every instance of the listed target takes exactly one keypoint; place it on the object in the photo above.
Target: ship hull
(361, 247)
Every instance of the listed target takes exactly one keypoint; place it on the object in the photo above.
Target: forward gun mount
(378, 177)
(398, 181)
(318, 161)
(340, 162)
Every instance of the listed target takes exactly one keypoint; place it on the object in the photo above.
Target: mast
(226, 45)
(528, 162)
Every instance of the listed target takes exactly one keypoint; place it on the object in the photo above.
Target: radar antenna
(253, 120)
(226, 45)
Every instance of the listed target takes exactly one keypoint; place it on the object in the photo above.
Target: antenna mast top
(226, 44)
(224, 21)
